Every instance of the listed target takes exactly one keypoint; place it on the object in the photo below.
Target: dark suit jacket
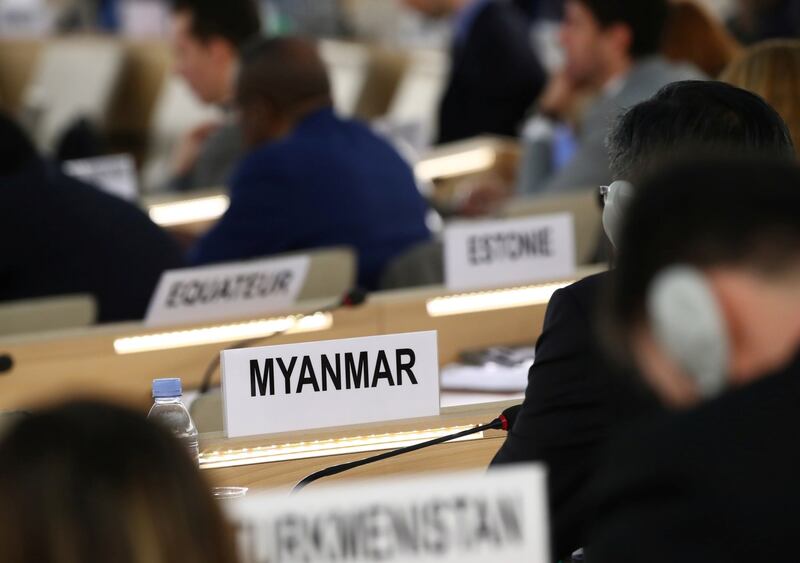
(59, 236)
(718, 483)
(573, 401)
(330, 182)
(495, 76)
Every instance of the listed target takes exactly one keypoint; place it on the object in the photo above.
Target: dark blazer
(60, 236)
(330, 182)
(718, 483)
(495, 76)
(573, 402)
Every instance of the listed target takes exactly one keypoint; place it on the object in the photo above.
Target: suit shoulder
(585, 292)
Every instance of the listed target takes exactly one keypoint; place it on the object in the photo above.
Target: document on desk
(493, 370)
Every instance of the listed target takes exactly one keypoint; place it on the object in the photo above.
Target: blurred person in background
(612, 47)
(711, 319)
(495, 76)
(758, 20)
(771, 70)
(207, 36)
(576, 399)
(310, 178)
(92, 483)
(59, 236)
(695, 36)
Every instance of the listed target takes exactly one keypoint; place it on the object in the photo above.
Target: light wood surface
(283, 475)
(66, 364)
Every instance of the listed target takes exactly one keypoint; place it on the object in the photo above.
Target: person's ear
(220, 50)
(620, 38)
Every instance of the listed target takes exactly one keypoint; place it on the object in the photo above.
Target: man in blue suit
(311, 179)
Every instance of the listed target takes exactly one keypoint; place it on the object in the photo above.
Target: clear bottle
(170, 412)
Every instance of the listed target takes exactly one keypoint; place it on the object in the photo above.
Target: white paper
(115, 175)
(227, 291)
(469, 517)
(329, 383)
(488, 254)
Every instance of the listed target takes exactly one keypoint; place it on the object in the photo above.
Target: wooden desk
(55, 366)
(282, 475)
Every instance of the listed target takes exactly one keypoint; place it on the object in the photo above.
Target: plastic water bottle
(170, 412)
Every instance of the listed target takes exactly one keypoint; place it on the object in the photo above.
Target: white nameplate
(330, 383)
(227, 291)
(516, 251)
(474, 517)
(115, 175)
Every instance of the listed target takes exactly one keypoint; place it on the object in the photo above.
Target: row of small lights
(436, 307)
(320, 448)
(210, 208)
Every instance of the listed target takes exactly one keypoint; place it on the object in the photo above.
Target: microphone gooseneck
(502, 422)
(352, 298)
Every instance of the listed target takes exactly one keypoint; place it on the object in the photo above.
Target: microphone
(352, 298)
(6, 363)
(503, 422)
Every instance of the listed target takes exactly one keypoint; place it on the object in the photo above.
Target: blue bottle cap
(164, 388)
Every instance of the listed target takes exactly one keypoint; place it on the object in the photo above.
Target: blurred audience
(575, 399)
(712, 320)
(207, 36)
(60, 236)
(611, 47)
(694, 35)
(310, 178)
(758, 20)
(98, 484)
(495, 76)
(772, 70)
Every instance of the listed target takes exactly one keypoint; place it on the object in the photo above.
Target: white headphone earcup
(618, 199)
(686, 320)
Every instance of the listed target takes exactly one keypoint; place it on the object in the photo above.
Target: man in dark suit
(495, 75)
(574, 398)
(711, 318)
(311, 178)
(60, 236)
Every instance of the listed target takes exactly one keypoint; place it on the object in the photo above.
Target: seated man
(711, 317)
(495, 75)
(311, 179)
(611, 47)
(206, 38)
(574, 399)
(60, 236)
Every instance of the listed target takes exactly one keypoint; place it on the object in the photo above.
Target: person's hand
(559, 96)
(484, 197)
(189, 148)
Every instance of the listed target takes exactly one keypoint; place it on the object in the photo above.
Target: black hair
(16, 148)
(688, 116)
(646, 19)
(236, 21)
(287, 70)
(704, 213)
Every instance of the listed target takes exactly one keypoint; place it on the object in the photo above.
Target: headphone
(687, 322)
(684, 313)
(617, 198)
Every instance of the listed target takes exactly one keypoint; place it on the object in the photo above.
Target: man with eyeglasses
(575, 399)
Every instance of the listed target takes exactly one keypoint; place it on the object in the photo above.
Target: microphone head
(509, 416)
(355, 297)
(6, 363)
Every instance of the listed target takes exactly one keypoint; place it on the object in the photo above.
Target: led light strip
(223, 333)
(491, 300)
(189, 211)
(320, 448)
(466, 162)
